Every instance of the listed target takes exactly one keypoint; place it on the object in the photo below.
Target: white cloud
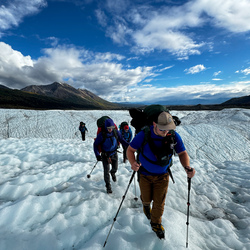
(230, 14)
(11, 14)
(244, 71)
(195, 69)
(174, 42)
(216, 79)
(14, 58)
(152, 29)
(101, 17)
(100, 57)
(173, 28)
(217, 73)
(100, 73)
(166, 68)
(13, 66)
(183, 93)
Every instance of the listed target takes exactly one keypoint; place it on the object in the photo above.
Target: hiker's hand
(99, 158)
(190, 171)
(135, 166)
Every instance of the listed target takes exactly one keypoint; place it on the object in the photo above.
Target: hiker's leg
(145, 184)
(160, 188)
(106, 169)
(114, 162)
(124, 153)
(83, 136)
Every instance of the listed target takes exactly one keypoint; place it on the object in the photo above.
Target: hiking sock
(158, 229)
(147, 211)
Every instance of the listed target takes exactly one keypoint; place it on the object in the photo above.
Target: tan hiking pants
(154, 188)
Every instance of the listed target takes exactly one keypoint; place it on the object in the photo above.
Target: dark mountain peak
(68, 93)
(3, 87)
(244, 100)
(55, 89)
(56, 85)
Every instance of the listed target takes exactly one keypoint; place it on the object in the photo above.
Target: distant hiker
(107, 142)
(153, 165)
(127, 135)
(83, 129)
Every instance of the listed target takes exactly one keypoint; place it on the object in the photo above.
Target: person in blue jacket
(83, 130)
(108, 140)
(153, 165)
(127, 135)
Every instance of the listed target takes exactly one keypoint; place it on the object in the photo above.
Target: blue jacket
(83, 129)
(108, 143)
(155, 169)
(127, 136)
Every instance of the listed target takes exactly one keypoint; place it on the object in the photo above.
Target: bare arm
(131, 157)
(184, 159)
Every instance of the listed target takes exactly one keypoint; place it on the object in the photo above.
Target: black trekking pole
(123, 197)
(188, 204)
(88, 176)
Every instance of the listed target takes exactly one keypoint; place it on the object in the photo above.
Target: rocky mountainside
(3, 87)
(63, 96)
(244, 100)
(70, 94)
(52, 96)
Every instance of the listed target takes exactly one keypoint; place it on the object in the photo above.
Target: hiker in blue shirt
(83, 129)
(107, 142)
(127, 135)
(153, 165)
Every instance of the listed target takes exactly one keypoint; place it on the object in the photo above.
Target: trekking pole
(88, 176)
(188, 204)
(123, 197)
(136, 198)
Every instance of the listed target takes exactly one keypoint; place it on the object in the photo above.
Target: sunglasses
(162, 130)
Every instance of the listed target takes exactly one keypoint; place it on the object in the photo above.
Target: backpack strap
(168, 148)
(104, 137)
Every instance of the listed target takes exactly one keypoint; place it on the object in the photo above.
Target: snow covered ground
(47, 201)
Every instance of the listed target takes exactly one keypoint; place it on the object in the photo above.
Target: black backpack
(142, 120)
(101, 129)
(123, 124)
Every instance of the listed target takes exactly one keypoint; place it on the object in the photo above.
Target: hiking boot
(113, 176)
(159, 230)
(147, 211)
(109, 190)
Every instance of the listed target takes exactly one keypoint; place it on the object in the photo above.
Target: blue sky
(179, 52)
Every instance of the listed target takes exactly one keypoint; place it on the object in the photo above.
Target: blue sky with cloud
(129, 51)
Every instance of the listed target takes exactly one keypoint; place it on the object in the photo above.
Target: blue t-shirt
(150, 167)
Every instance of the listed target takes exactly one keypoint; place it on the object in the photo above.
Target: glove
(99, 158)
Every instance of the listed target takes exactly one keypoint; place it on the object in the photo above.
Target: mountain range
(53, 96)
(63, 96)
